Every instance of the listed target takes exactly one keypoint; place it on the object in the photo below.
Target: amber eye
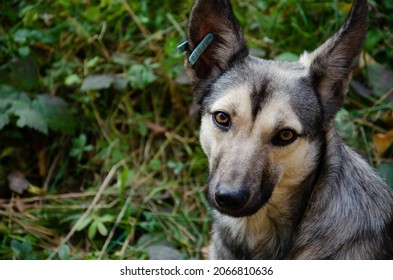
(284, 137)
(222, 120)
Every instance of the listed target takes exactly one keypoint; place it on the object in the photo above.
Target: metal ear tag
(198, 51)
(182, 47)
(202, 46)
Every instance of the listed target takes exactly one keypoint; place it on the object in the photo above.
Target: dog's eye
(222, 120)
(284, 137)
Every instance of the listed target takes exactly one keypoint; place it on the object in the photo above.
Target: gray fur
(310, 198)
(356, 206)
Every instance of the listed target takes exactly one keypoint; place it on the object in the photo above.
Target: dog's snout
(232, 200)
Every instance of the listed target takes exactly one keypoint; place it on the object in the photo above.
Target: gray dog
(282, 183)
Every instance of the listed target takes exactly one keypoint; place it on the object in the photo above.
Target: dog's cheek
(207, 137)
(296, 162)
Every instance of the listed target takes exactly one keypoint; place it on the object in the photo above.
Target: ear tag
(182, 47)
(202, 46)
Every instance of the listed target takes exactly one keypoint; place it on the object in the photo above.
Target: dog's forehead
(262, 78)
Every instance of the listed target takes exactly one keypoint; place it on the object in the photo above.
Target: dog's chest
(256, 237)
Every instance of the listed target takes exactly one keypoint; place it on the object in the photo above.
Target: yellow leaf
(382, 142)
(42, 162)
(35, 190)
(345, 7)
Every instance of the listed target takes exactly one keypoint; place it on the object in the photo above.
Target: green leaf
(17, 105)
(124, 177)
(24, 73)
(141, 75)
(21, 35)
(11, 103)
(97, 82)
(92, 230)
(92, 62)
(84, 223)
(76, 153)
(22, 250)
(80, 142)
(55, 112)
(92, 13)
(177, 166)
(102, 229)
(64, 252)
(163, 252)
(24, 51)
(79, 146)
(106, 219)
(31, 118)
(9, 93)
(72, 80)
(155, 164)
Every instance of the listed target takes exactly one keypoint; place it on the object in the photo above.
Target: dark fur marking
(258, 95)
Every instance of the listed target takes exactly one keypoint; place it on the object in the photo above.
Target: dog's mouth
(239, 203)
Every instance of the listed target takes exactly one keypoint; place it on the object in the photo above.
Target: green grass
(93, 114)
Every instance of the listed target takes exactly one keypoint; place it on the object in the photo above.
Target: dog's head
(262, 120)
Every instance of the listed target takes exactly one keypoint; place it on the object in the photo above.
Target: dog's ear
(228, 43)
(332, 63)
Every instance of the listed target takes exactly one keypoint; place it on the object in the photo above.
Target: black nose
(231, 200)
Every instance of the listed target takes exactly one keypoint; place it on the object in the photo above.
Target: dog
(282, 183)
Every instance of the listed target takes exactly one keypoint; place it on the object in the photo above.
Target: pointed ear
(332, 63)
(228, 45)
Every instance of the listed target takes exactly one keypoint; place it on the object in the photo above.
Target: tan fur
(246, 137)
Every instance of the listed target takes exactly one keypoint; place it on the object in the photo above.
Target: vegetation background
(99, 154)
